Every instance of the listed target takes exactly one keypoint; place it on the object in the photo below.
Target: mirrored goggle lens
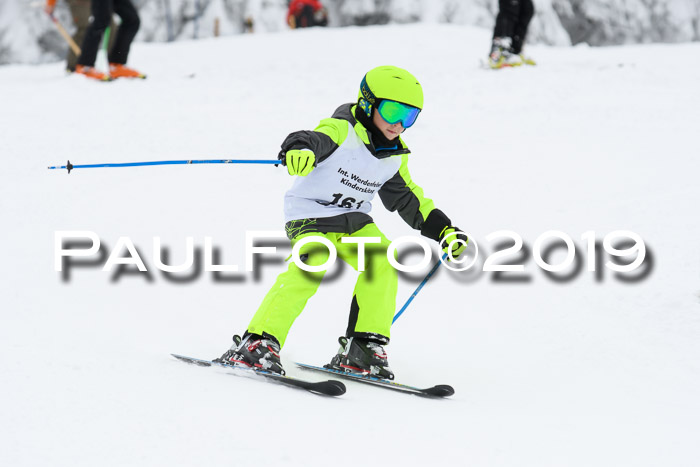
(394, 112)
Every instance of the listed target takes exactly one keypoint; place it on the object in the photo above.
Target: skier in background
(509, 33)
(339, 167)
(80, 11)
(306, 13)
(102, 11)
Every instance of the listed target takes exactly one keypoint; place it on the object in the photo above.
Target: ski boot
(92, 72)
(362, 357)
(117, 70)
(254, 351)
(501, 55)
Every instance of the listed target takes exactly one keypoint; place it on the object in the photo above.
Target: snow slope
(578, 373)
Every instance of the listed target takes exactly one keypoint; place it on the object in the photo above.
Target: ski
(441, 390)
(327, 388)
(486, 64)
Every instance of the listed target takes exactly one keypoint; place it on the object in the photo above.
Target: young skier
(509, 33)
(340, 166)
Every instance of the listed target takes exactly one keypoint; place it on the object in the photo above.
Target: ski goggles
(394, 112)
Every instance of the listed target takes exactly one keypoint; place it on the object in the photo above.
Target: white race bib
(345, 182)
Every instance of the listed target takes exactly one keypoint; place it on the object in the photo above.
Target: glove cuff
(433, 226)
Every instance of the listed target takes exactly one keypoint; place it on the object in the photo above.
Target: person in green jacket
(340, 166)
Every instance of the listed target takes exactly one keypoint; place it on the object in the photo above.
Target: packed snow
(591, 370)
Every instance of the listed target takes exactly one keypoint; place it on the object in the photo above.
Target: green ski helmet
(391, 83)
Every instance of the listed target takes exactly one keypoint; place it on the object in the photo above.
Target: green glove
(453, 241)
(300, 161)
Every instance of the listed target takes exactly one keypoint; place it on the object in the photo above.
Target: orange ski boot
(117, 70)
(92, 72)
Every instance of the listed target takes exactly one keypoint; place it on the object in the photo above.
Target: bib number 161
(338, 200)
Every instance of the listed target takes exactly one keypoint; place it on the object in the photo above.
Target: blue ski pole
(413, 295)
(70, 166)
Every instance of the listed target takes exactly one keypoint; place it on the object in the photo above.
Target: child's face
(390, 131)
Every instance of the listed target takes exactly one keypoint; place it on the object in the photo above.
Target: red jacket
(296, 6)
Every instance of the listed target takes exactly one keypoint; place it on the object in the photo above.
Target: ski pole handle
(413, 295)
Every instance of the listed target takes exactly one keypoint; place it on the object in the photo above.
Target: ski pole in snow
(420, 286)
(70, 166)
(62, 31)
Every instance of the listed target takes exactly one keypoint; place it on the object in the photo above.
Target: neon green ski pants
(374, 298)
